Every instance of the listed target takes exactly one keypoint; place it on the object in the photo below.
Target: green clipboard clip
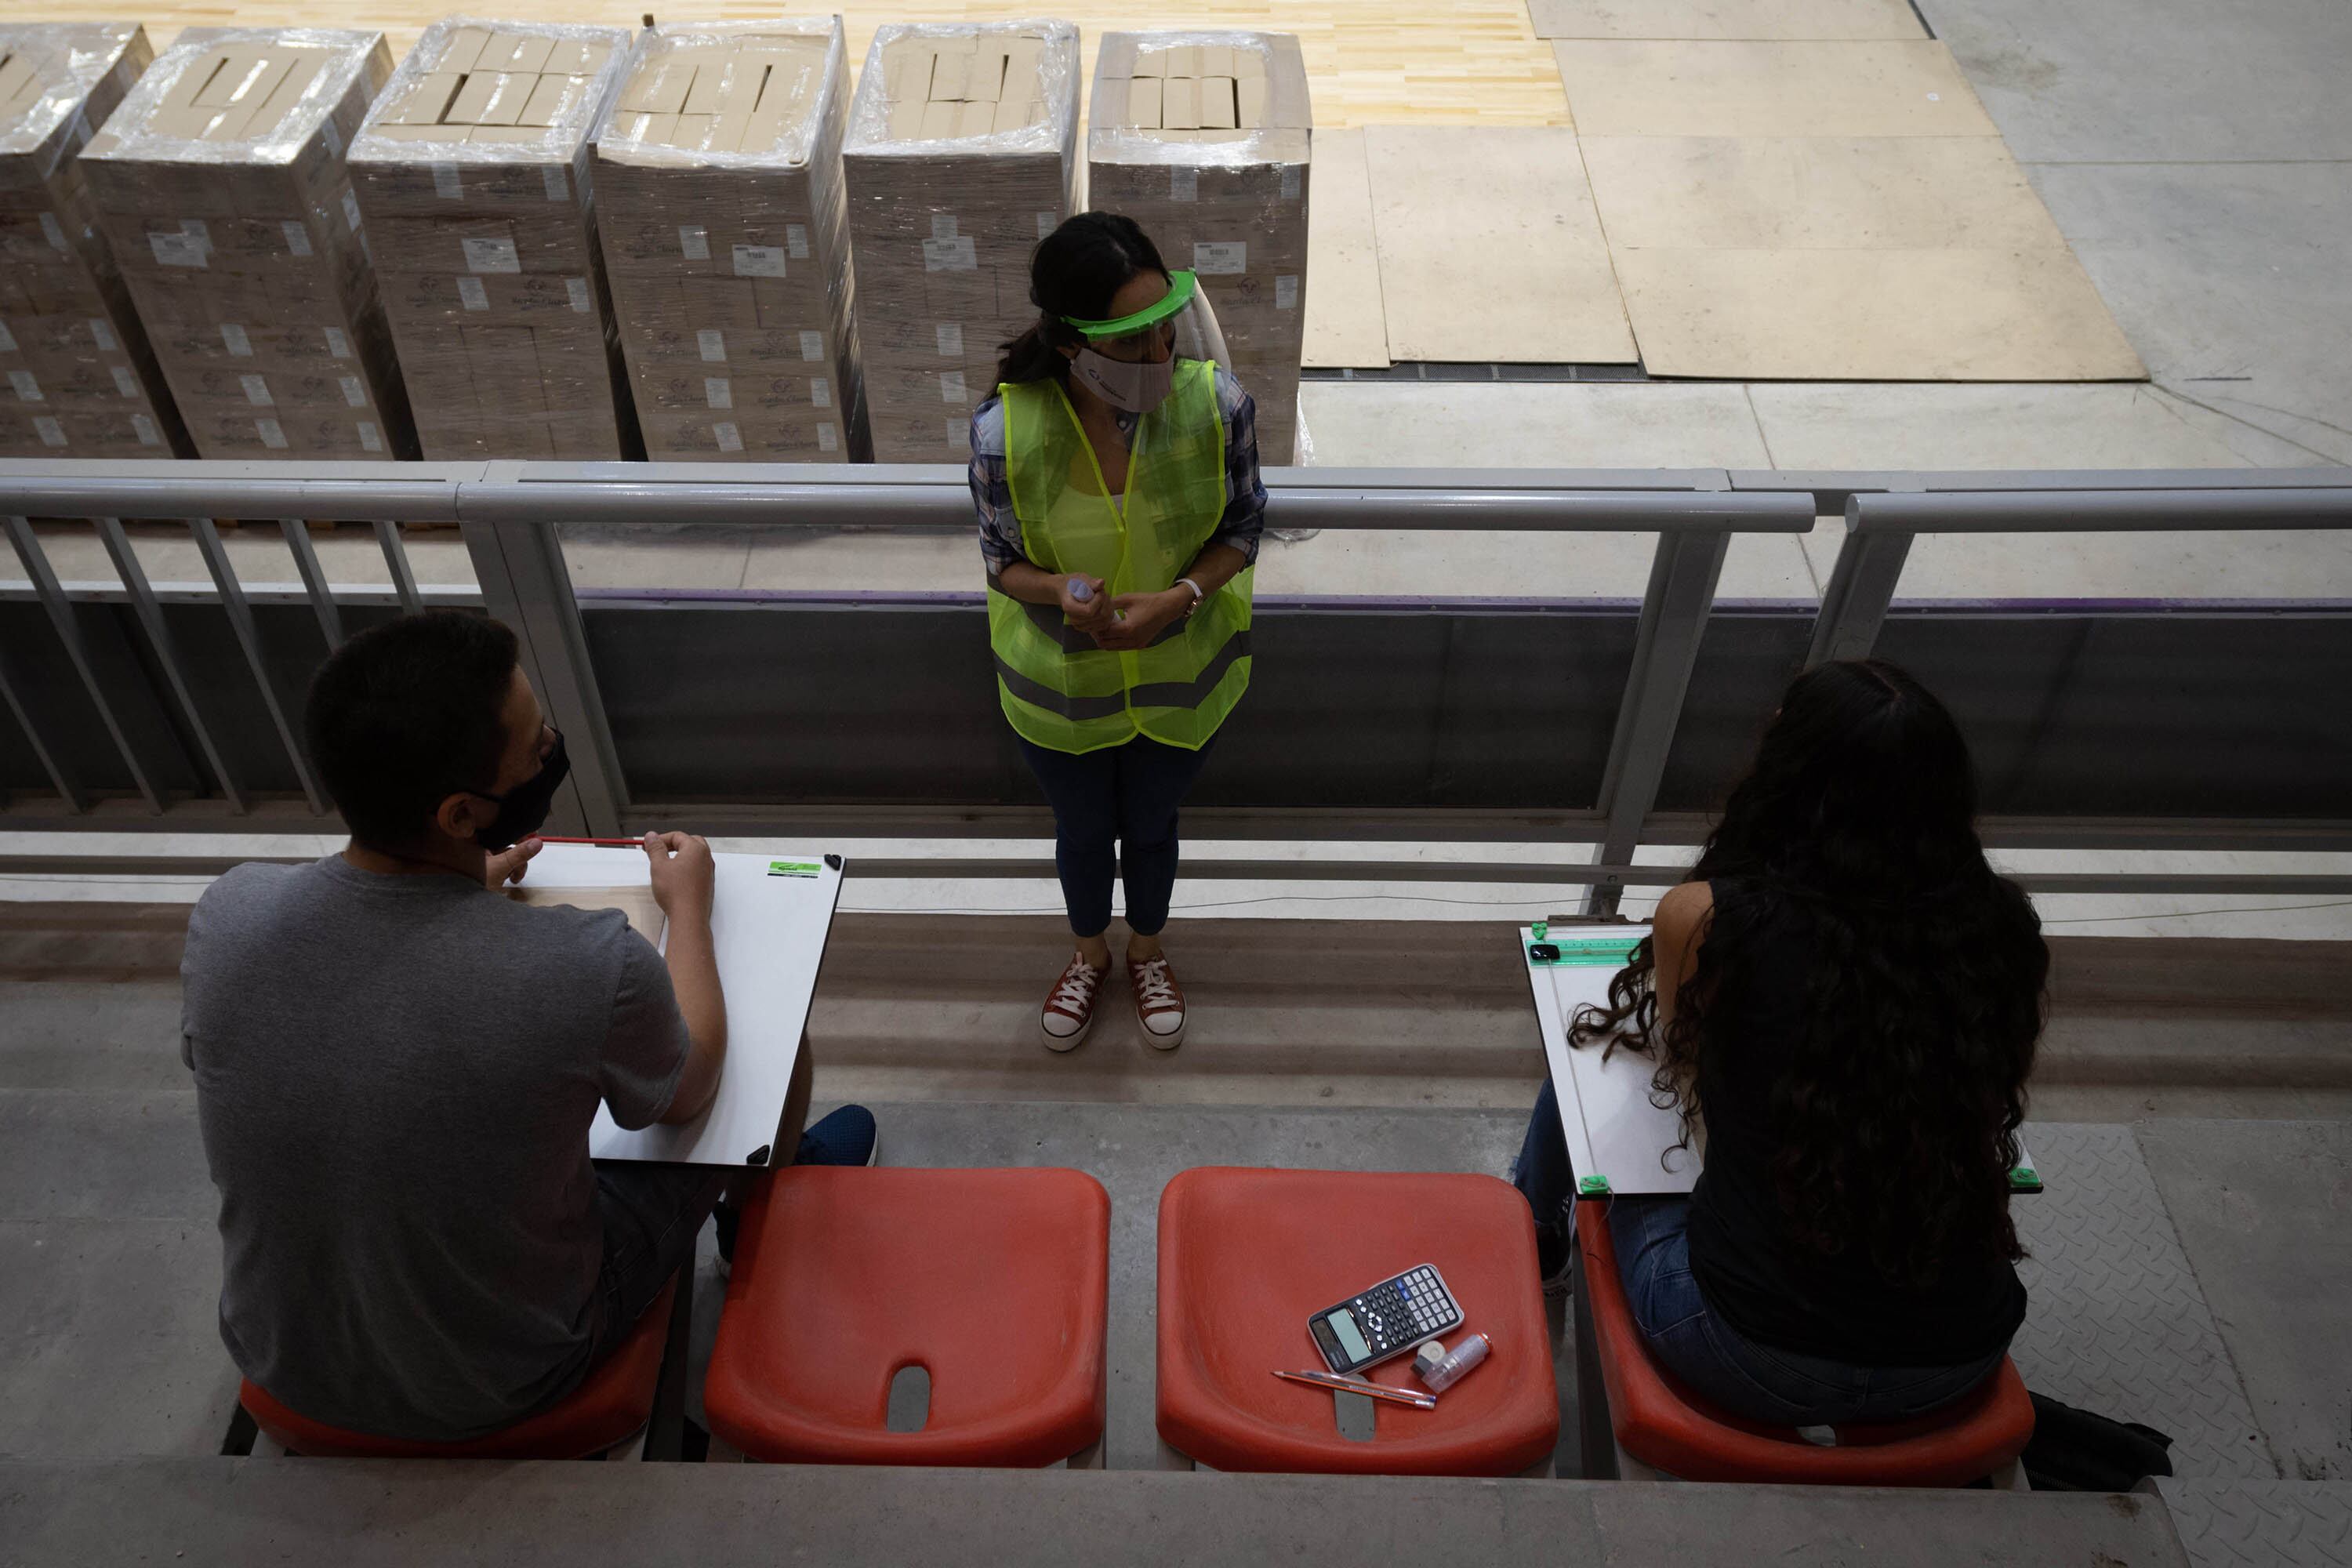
(793, 868)
(1592, 1186)
(2025, 1179)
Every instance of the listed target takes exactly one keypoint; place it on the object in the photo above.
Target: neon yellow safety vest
(1059, 690)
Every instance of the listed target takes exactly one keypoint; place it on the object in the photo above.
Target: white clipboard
(1615, 1133)
(770, 917)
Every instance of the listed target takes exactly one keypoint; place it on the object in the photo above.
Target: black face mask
(522, 809)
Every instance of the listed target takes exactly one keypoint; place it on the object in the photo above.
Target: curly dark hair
(1897, 1113)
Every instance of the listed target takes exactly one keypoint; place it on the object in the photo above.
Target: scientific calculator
(1386, 1321)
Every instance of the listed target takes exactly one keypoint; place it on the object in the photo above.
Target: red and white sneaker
(1070, 1007)
(1158, 1003)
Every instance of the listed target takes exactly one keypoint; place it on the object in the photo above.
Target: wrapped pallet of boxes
(81, 380)
(1202, 138)
(724, 232)
(962, 145)
(473, 175)
(220, 185)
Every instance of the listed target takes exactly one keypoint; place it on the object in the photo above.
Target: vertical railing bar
(1860, 590)
(12, 686)
(249, 637)
(150, 613)
(314, 580)
(52, 595)
(1682, 591)
(403, 575)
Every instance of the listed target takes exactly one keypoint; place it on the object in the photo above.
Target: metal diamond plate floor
(2116, 1323)
(2262, 1524)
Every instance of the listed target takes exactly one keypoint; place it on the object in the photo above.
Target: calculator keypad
(1405, 1310)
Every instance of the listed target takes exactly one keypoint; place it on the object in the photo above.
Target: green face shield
(1181, 324)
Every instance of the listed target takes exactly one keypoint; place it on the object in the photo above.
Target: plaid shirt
(991, 493)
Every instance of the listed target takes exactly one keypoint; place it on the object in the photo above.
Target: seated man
(396, 1067)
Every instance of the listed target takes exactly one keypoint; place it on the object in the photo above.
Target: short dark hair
(407, 713)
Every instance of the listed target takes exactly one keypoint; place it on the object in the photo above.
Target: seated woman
(1842, 1001)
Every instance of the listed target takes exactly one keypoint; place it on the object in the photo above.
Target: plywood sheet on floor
(1875, 315)
(1345, 327)
(1489, 248)
(1724, 19)
(1720, 89)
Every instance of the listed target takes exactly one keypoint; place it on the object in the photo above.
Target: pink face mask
(1133, 386)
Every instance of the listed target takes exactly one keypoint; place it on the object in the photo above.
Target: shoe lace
(1076, 989)
(1153, 988)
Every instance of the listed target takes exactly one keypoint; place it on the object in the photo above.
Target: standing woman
(1116, 476)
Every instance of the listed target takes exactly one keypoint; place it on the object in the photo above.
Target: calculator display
(1352, 1339)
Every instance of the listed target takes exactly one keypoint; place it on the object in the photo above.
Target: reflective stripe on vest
(1058, 689)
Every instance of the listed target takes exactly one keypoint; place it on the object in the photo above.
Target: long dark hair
(1896, 1116)
(1075, 271)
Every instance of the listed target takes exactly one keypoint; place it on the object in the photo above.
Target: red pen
(601, 843)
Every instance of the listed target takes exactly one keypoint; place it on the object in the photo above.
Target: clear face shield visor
(1130, 361)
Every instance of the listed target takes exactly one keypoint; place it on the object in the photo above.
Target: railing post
(525, 584)
(60, 610)
(257, 658)
(150, 614)
(314, 580)
(1683, 576)
(1861, 587)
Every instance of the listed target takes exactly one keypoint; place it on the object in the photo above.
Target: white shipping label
(1285, 291)
(257, 391)
(718, 392)
(54, 232)
(759, 261)
(338, 345)
(713, 344)
(827, 440)
(951, 339)
(491, 255)
(694, 242)
(352, 211)
(796, 240)
(28, 389)
(445, 183)
(1046, 224)
(472, 295)
(958, 435)
(370, 440)
(943, 226)
(1291, 183)
(820, 392)
(952, 389)
(945, 255)
(354, 391)
(273, 436)
(297, 238)
(124, 382)
(730, 439)
(177, 250)
(1183, 185)
(7, 340)
(333, 139)
(1221, 259)
(235, 339)
(101, 332)
(52, 434)
(558, 183)
(145, 429)
(577, 289)
(811, 346)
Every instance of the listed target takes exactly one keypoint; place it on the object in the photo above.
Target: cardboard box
(726, 229)
(1205, 139)
(221, 185)
(474, 178)
(960, 156)
(77, 375)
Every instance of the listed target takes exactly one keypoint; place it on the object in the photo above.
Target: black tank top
(1762, 1282)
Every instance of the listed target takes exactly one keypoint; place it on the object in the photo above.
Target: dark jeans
(1652, 1237)
(652, 1214)
(1128, 795)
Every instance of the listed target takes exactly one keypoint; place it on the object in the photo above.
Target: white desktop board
(769, 930)
(1612, 1127)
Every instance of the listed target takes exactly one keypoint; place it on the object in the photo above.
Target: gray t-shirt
(395, 1077)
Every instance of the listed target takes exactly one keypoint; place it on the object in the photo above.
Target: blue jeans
(1115, 814)
(1685, 1335)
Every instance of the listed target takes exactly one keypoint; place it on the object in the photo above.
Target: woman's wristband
(1197, 596)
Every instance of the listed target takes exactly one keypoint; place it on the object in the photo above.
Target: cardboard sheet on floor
(1717, 88)
(1872, 315)
(1345, 328)
(770, 915)
(1724, 19)
(1489, 246)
